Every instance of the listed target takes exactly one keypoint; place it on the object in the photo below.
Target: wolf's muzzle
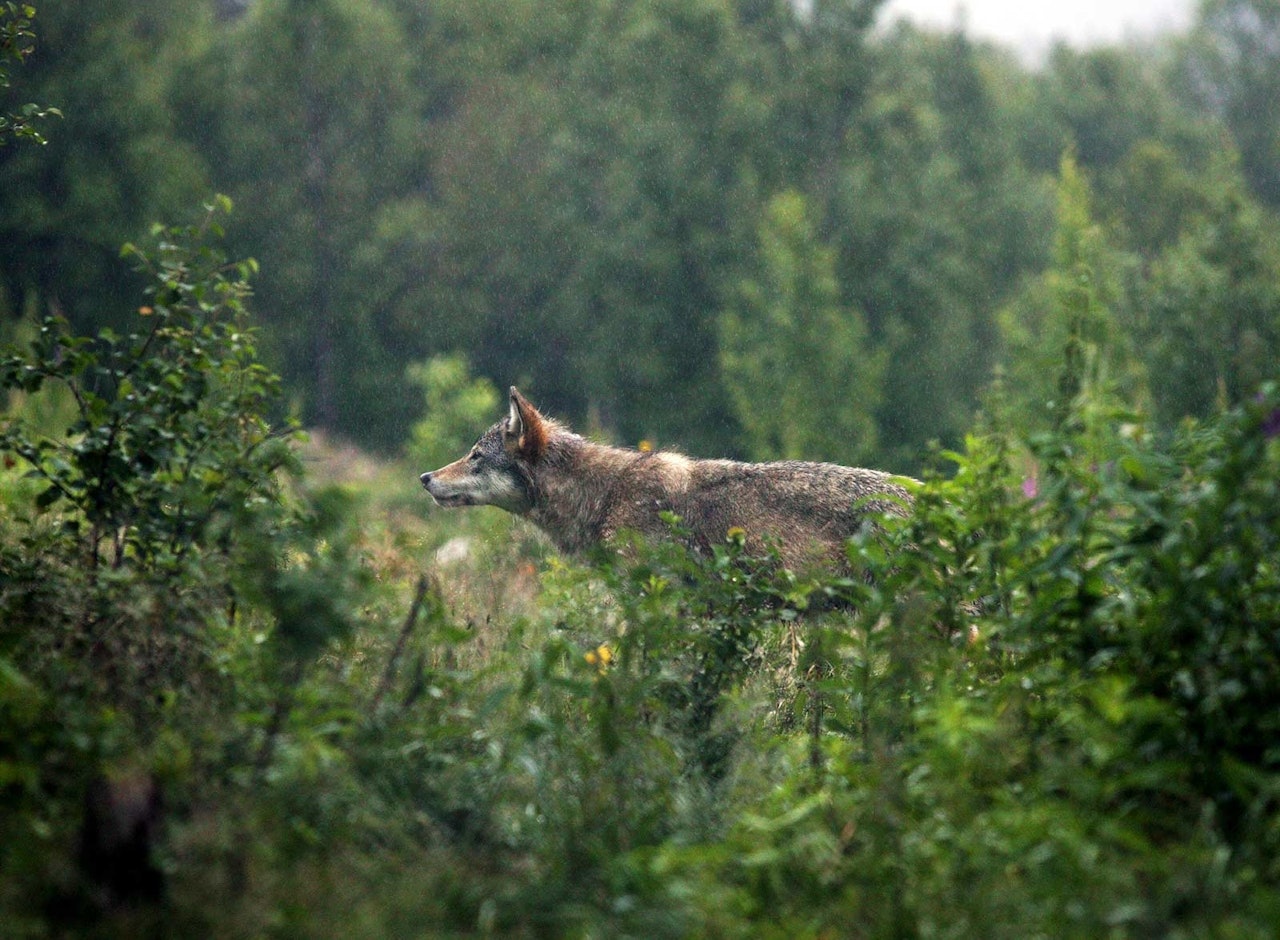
(445, 500)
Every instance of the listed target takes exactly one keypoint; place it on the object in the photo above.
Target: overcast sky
(1032, 25)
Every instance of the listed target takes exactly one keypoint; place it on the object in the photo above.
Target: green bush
(159, 574)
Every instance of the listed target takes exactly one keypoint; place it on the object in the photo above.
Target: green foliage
(1192, 328)
(168, 431)
(934, 220)
(326, 87)
(1212, 328)
(803, 379)
(457, 406)
(115, 165)
(1076, 747)
(594, 196)
(569, 194)
(16, 43)
(156, 572)
(1044, 704)
(1102, 104)
(1063, 332)
(1023, 729)
(1229, 65)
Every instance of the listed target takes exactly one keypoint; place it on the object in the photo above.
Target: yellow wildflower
(600, 657)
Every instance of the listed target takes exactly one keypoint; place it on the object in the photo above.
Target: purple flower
(1271, 424)
(1030, 488)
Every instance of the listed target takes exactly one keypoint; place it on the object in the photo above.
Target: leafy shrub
(158, 573)
(167, 448)
(455, 406)
(170, 429)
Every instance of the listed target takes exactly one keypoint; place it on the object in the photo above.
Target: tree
(1211, 333)
(1062, 335)
(934, 221)
(661, 138)
(501, 240)
(1115, 110)
(457, 408)
(116, 165)
(1230, 67)
(169, 435)
(593, 203)
(802, 377)
(319, 138)
(824, 59)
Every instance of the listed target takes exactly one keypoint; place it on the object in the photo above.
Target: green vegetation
(252, 685)
(16, 43)
(784, 336)
(1052, 710)
(456, 407)
(605, 203)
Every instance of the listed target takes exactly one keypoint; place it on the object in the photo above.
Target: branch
(425, 587)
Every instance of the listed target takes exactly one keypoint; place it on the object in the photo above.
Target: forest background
(667, 221)
(252, 685)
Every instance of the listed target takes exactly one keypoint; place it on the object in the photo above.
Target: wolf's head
(496, 470)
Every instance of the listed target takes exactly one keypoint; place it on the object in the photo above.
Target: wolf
(584, 494)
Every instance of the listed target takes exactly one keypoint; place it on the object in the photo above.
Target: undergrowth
(235, 702)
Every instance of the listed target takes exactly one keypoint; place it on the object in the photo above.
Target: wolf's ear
(526, 430)
(515, 424)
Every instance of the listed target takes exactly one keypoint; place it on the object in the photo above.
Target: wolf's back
(806, 510)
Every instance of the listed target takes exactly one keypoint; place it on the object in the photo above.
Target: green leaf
(48, 497)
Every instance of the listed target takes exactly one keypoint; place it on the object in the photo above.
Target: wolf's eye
(474, 456)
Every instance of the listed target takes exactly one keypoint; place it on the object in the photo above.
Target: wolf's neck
(573, 486)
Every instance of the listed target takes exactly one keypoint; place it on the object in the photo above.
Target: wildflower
(645, 446)
(145, 311)
(1271, 424)
(736, 533)
(1030, 487)
(601, 657)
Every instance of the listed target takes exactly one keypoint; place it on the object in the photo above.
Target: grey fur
(583, 494)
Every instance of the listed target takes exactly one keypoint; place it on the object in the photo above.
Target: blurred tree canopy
(796, 363)
(1230, 67)
(577, 197)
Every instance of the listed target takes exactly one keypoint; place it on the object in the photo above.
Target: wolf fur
(583, 494)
